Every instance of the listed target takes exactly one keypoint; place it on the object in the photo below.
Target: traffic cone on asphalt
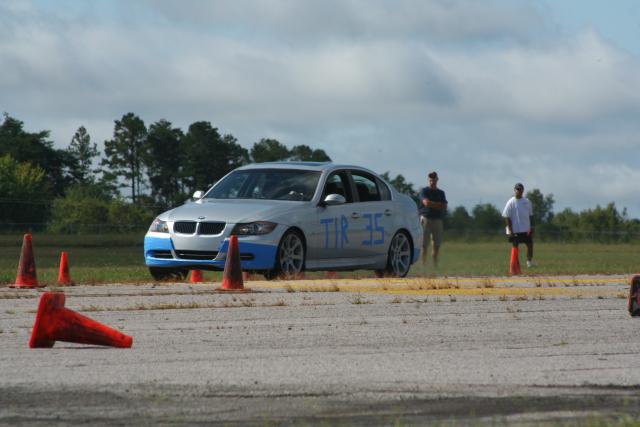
(54, 323)
(26, 276)
(232, 275)
(195, 276)
(514, 265)
(633, 304)
(64, 279)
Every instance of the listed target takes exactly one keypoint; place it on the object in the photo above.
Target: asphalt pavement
(366, 352)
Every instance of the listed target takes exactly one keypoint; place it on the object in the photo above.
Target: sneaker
(529, 264)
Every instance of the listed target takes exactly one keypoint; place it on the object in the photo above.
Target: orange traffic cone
(331, 275)
(633, 304)
(514, 266)
(196, 276)
(64, 279)
(26, 276)
(232, 275)
(54, 323)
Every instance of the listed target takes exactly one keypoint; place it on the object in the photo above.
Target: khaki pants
(432, 232)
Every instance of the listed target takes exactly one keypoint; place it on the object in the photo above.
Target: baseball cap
(518, 186)
(433, 174)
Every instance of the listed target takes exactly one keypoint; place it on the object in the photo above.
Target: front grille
(198, 255)
(185, 227)
(211, 228)
(161, 254)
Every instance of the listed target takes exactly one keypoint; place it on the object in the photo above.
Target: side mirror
(333, 200)
(198, 195)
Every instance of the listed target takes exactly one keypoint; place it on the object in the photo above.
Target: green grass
(492, 259)
(118, 258)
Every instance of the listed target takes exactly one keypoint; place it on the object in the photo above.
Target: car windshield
(268, 184)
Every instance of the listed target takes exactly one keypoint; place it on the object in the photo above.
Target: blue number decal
(369, 227)
(326, 223)
(344, 223)
(340, 231)
(379, 229)
(372, 226)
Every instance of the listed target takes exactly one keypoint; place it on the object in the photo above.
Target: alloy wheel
(400, 255)
(291, 255)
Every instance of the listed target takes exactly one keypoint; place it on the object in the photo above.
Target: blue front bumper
(262, 257)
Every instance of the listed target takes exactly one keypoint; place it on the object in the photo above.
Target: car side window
(385, 193)
(337, 183)
(365, 186)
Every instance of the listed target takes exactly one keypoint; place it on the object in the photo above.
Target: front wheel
(399, 257)
(290, 256)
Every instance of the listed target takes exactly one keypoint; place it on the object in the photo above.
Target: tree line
(79, 189)
(602, 224)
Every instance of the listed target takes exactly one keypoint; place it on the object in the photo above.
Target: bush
(85, 210)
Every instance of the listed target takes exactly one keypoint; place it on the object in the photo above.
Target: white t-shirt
(519, 211)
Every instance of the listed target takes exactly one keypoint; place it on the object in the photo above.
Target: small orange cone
(245, 276)
(64, 279)
(196, 276)
(26, 276)
(54, 323)
(633, 304)
(331, 275)
(232, 275)
(514, 266)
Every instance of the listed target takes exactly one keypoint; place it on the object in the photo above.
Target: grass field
(118, 258)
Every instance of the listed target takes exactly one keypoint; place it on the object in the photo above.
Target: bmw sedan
(289, 217)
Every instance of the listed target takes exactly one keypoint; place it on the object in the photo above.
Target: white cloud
(487, 93)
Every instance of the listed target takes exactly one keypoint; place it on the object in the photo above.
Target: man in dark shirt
(433, 205)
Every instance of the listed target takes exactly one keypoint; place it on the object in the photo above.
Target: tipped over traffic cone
(54, 323)
(514, 265)
(232, 275)
(196, 276)
(633, 304)
(64, 279)
(26, 276)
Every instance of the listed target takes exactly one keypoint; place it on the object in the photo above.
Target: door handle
(388, 212)
(355, 215)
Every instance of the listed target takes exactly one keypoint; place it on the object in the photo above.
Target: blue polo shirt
(436, 195)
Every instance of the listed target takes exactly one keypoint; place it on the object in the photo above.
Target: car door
(372, 214)
(334, 222)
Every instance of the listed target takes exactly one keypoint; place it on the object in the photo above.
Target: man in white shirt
(518, 214)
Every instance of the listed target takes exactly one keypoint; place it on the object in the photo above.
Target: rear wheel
(290, 256)
(399, 257)
(168, 274)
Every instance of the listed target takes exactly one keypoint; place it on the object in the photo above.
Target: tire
(168, 274)
(399, 257)
(290, 256)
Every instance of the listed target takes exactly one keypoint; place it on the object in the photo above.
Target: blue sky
(487, 93)
(617, 20)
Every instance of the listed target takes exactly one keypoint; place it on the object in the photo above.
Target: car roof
(313, 166)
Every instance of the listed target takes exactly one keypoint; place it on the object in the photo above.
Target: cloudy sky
(485, 92)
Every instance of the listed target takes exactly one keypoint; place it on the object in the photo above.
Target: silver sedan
(289, 217)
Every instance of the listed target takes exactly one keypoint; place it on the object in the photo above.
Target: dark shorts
(518, 238)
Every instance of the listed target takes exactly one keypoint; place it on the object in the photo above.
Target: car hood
(231, 211)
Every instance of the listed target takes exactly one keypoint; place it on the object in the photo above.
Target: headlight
(159, 226)
(253, 228)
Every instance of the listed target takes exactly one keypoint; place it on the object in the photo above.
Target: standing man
(518, 214)
(433, 205)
